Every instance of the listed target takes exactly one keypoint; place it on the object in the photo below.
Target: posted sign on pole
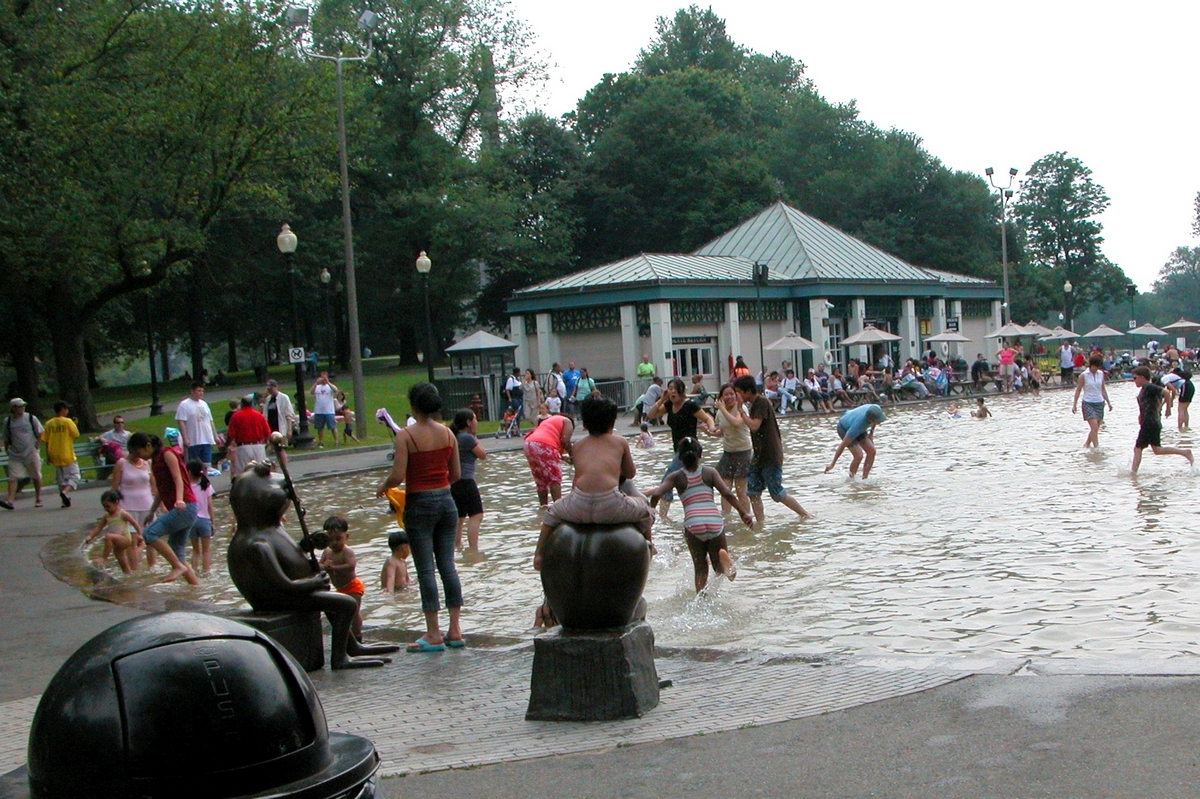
(295, 355)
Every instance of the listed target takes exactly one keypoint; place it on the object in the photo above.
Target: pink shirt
(1007, 356)
(549, 432)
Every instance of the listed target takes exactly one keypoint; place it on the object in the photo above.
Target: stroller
(510, 426)
(385, 419)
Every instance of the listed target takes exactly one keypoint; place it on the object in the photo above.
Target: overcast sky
(995, 84)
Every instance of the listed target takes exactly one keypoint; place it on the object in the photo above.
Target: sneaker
(66, 501)
(214, 472)
(4, 503)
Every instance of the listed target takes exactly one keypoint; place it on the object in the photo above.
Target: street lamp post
(423, 266)
(297, 18)
(760, 280)
(1005, 195)
(1067, 289)
(286, 241)
(325, 278)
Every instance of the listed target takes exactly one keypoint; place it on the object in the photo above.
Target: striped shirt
(701, 516)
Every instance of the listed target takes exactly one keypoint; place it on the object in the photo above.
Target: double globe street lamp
(1005, 195)
(286, 242)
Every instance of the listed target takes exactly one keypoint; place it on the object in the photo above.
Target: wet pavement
(737, 722)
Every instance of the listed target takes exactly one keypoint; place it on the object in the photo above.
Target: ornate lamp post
(423, 266)
(325, 279)
(297, 18)
(156, 407)
(1005, 195)
(286, 242)
(1067, 289)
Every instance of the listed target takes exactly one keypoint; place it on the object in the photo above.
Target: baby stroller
(510, 426)
(385, 419)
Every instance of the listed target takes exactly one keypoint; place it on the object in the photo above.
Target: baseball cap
(171, 434)
(16, 402)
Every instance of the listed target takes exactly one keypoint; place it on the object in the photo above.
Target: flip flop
(421, 645)
(455, 643)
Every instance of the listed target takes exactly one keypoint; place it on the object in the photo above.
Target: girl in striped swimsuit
(703, 525)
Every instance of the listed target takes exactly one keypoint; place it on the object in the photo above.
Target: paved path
(454, 722)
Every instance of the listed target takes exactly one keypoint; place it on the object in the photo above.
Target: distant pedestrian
(197, 429)
(21, 434)
(324, 415)
(246, 436)
(60, 435)
(278, 410)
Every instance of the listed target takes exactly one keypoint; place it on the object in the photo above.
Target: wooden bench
(96, 470)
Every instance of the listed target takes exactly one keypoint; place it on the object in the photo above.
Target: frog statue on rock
(273, 573)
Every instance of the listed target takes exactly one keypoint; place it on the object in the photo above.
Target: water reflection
(990, 538)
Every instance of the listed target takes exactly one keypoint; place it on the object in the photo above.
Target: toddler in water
(981, 411)
(703, 525)
(339, 563)
(202, 529)
(395, 568)
(646, 438)
(115, 525)
(953, 411)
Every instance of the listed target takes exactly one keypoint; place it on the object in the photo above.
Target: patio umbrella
(791, 341)
(1147, 330)
(1034, 329)
(869, 335)
(951, 335)
(1103, 331)
(1060, 333)
(1183, 326)
(1011, 330)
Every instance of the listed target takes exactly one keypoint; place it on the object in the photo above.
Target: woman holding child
(426, 463)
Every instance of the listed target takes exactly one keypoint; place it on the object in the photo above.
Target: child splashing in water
(117, 526)
(202, 529)
(703, 525)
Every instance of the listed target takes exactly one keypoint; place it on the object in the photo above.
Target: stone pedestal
(593, 675)
(299, 632)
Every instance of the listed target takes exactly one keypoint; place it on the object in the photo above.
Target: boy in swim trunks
(602, 462)
(339, 563)
(857, 431)
(395, 568)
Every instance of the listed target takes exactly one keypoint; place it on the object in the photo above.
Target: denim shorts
(201, 528)
(199, 452)
(768, 477)
(324, 421)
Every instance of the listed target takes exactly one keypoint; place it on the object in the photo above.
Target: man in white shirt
(196, 427)
(324, 415)
(1066, 363)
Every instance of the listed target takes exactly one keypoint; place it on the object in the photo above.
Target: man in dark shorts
(1150, 421)
(766, 467)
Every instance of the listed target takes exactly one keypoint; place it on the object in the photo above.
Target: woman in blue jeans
(173, 491)
(426, 463)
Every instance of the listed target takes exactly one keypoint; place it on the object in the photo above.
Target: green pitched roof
(796, 246)
(643, 268)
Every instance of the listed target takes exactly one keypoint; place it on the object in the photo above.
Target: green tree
(129, 128)
(1057, 210)
(1178, 283)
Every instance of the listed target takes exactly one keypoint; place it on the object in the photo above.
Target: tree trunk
(89, 358)
(24, 357)
(67, 338)
(195, 320)
(231, 333)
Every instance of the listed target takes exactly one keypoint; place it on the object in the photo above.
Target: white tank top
(135, 487)
(1092, 381)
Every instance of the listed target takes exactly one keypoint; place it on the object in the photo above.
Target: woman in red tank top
(426, 463)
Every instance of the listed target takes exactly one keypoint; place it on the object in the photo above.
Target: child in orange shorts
(339, 563)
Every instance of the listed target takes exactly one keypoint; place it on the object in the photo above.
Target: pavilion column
(631, 354)
(996, 321)
(547, 344)
(818, 329)
(910, 329)
(858, 312)
(729, 337)
(660, 339)
(516, 327)
(939, 318)
(956, 313)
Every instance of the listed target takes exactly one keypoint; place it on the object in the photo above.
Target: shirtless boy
(602, 461)
(339, 563)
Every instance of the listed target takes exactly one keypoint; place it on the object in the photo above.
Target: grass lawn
(385, 386)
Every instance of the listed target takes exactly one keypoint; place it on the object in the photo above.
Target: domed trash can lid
(176, 704)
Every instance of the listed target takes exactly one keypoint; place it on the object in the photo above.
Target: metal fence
(478, 392)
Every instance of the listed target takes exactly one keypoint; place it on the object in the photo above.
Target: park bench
(87, 454)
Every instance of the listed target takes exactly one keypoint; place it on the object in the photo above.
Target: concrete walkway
(736, 723)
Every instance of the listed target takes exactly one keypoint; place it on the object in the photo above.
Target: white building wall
(547, 350)
(516, 326)
(595, 351)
